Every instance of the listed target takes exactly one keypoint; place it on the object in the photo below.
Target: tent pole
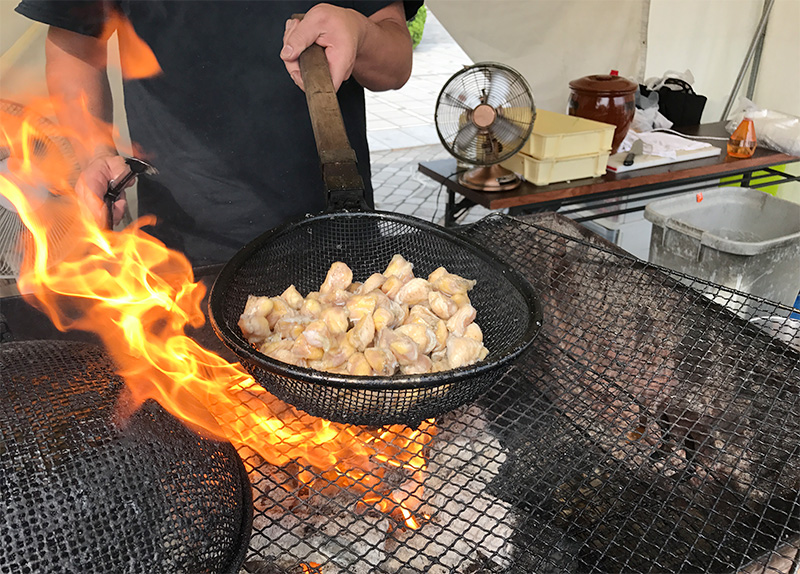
(760, 30)
(751, 86)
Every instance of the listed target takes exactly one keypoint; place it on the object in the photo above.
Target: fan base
(489, 178)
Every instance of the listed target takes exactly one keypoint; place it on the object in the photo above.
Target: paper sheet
(661, 144)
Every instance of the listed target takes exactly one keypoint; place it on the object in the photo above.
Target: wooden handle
(339, 168)
(323, 107)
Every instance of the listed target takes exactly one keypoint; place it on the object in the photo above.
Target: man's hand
(93, 184)
(376, 51)
(338, 30)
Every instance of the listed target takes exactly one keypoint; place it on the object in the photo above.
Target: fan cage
(504, 90)
(53, 155)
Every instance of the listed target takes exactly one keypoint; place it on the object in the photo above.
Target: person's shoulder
(81, 16)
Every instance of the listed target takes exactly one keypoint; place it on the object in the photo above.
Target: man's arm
(77, 79)
(376, 51)
(383, 61)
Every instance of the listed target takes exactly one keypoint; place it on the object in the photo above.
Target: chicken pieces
(391, 323)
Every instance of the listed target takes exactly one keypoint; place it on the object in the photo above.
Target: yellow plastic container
(556, 136)
(547, 171)
(515, 163)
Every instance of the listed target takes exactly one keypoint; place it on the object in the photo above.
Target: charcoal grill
(650, 428)
(653, 426)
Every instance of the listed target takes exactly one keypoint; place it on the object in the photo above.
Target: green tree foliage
(417, 24)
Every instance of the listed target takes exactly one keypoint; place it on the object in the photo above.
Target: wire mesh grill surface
(301, 254)
(648, 429)
(86, 492)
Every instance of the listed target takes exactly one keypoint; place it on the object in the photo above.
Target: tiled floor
(401, 130)
(405, 118)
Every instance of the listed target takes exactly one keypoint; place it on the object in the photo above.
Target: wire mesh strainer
(300, 254)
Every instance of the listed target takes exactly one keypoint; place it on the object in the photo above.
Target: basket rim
(253, 358)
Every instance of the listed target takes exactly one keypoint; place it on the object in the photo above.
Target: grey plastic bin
(741, 238)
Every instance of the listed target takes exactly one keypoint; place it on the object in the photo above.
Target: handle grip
(339, 166)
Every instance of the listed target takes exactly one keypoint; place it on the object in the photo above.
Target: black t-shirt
(224, 124)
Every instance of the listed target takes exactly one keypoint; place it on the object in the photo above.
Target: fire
(137, 59)
(139, 296)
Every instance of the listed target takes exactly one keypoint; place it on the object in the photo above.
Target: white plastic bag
(648, 120)
(775, 130)
(654, 83)
(647, 117)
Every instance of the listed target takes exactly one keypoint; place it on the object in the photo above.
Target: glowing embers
(457, 517)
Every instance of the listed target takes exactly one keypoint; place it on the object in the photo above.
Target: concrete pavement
(401, 130)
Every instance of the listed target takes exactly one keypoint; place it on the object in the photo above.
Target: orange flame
(138, 296)
(136, 58)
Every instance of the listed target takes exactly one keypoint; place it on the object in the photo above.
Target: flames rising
(136, 58)
(139, 296)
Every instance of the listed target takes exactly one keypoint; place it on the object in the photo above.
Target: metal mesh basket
(84, 492)
(300, 254)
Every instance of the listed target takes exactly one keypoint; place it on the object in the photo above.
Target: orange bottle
(742, 142)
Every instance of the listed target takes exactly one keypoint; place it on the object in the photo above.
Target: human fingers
(338, 30)
(94, 181)
(289, 54)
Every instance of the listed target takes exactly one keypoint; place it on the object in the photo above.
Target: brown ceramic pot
(608, 99)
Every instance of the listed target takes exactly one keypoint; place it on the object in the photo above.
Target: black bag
(681, 106)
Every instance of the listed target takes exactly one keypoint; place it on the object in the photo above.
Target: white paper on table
(661, 144)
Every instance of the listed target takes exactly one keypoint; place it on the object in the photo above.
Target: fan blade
(507, 131)
(461, 100)
(465, 137)
(499, 89)
(12, 233)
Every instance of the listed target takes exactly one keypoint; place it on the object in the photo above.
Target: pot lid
(603, 84)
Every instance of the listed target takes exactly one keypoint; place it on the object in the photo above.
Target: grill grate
(87, 490)
(653, 426)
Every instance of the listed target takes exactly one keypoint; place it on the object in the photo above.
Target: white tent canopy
(554, 41)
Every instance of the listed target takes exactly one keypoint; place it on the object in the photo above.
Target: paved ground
(401, 130)
(403, 118)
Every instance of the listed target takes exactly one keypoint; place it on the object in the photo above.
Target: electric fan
(28, 137)
(484, 115)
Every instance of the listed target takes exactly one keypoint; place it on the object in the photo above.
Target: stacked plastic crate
(563, 148)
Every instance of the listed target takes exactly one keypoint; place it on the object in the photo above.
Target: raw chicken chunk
(253, 322)
(392, 322)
